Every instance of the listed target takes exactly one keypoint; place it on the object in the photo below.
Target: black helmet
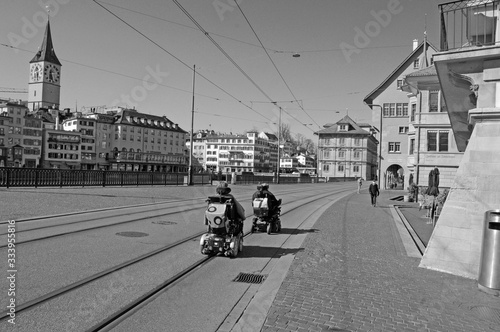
(223, 188)
(265, 186)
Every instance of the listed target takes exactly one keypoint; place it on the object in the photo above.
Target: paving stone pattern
(354, 275)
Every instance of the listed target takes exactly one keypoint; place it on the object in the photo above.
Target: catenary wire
(179, 60)
(335, 49)
(272, 61)
(207, 34)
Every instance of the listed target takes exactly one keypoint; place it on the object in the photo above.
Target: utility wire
(337, 49)
(220, 48)
(207, 34)
(178, 59)
(231, 117)
(274, 64)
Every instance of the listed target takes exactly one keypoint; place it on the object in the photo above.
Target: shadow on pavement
(266, 252)
(295, 231)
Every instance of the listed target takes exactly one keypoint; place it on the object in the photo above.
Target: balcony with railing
(469, 23)
(467, 64)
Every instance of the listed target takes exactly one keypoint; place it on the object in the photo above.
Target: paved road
(354, 273)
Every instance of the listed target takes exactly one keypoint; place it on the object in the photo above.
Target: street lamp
(379, 143)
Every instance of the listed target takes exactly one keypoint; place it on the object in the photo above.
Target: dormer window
(343, 127)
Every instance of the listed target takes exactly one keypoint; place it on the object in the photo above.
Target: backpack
(261, 207)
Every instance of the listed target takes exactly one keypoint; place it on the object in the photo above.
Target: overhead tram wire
(180, 24)
(220, 48)
(338, 49)
(205, 32)
(178, 59)
(274, 64)
(230, 117)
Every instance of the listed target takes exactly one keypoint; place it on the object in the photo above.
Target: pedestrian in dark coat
(374, 192)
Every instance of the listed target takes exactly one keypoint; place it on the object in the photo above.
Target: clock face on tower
(51, 73)
(36, 72)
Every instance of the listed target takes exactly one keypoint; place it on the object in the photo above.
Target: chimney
(415, 44)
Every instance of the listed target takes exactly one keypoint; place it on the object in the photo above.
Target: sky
(144, 54)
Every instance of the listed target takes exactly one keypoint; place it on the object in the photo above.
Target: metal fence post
(104, 178)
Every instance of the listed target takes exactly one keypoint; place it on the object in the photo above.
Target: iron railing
(35, 177)
(469, 23)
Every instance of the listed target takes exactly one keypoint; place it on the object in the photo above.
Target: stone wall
(455, 245)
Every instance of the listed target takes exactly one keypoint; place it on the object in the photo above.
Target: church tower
(45, 76)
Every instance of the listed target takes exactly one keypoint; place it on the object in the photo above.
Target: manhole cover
(165, 222)
(250, 278)
(132, 234)
(487, 313)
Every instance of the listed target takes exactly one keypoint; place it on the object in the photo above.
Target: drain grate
(487, 313)
(165, 222)
(250, 278)
(132, 234)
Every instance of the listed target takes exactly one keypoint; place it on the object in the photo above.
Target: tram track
(123, 213)
(86, 281)
(114, 320)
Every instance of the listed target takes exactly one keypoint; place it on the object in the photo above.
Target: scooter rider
(223, 189)
(258, 193)
(273, 202)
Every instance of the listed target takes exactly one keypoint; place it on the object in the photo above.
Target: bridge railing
(36, 177)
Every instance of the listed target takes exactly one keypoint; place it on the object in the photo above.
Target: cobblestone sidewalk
(354, 275)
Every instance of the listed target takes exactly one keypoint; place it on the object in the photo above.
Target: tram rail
(30, 304)
(128, 311)
(122, 212)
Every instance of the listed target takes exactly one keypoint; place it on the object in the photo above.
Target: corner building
(347, 151)
(143, 142)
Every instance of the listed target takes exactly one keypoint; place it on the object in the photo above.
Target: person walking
(360, 183)
(374, 192)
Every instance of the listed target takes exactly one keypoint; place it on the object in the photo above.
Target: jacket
(374, 189)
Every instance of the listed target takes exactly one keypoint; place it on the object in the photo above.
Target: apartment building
(345, 150)
(88, 129)
(145, 142)
(390, 108)
(228, 152)
(430, 136)
(20, 135)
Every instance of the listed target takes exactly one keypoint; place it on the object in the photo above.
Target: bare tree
(303, 144)
(254, 129)
(309, 146)
(285, 132)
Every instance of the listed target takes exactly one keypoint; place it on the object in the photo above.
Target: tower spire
(425, 63)
(46, 51)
